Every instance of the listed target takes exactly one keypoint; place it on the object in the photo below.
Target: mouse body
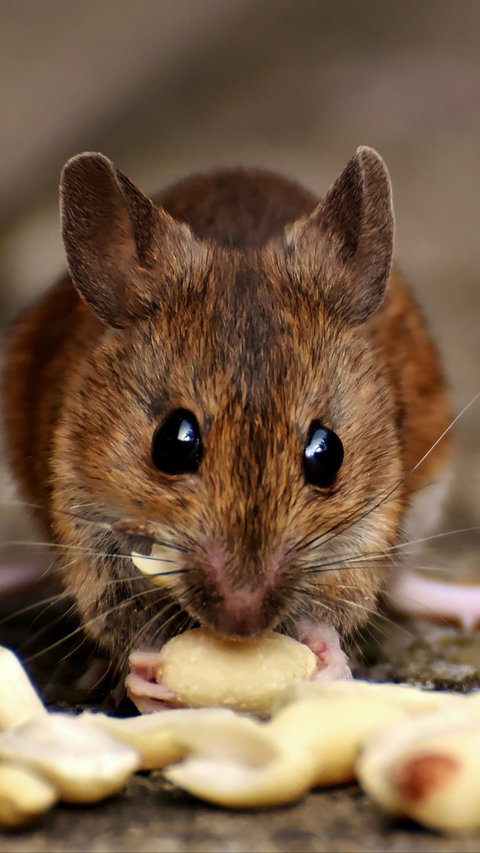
(233, 373)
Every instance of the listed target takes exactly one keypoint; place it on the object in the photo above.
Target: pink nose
(240, 614)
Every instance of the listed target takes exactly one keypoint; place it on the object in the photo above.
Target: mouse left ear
(122, 250)
(346, 244)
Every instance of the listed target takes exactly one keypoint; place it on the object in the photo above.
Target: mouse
(234, 382)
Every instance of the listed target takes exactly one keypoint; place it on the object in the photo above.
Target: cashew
(84, 763)
(19, 701)
(427, 769)
(202, 669)
(24, 795)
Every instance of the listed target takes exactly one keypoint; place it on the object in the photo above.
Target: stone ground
(168, 88)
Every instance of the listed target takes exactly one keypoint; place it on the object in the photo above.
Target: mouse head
(230, 408)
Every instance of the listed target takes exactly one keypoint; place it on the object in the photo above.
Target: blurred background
(167, 87)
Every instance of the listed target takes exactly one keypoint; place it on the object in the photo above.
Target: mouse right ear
(118, 243)
(346, 244)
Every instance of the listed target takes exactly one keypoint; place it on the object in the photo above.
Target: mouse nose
(236, 597)
(240, 614)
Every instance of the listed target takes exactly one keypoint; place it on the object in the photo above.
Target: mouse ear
(350, 235)
(116, 239)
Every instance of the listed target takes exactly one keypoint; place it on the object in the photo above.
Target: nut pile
(414, 752)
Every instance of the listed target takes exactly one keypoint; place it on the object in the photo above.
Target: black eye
(176, 444)
(322, 456)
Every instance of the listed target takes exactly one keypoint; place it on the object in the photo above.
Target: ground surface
(148, 819)
(151, 816)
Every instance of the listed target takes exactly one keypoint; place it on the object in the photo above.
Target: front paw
(324, 642)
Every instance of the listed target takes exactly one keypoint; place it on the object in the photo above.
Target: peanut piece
(243, 763)
(412, 700)
(154, 735)
(157, 566)
(427, 769)
(82, 762)
(19, 701)
(237, 764)
(24, 795)
(202, 669)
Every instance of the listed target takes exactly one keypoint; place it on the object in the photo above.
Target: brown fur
(266, 313)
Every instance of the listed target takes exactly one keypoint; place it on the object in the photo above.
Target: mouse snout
(240, 613)
(234, 602)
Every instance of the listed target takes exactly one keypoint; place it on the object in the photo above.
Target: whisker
(144, 628)
(421, 568)
(73, 651)
(103, 525)
(310, 593)
(145, 577)
(358, 606)
(320, 539)
(339, 568)
(388, 551)
(59, 546)
(31, 639)
(349, 562)
(445, 432)
(47, 601)
(371, 611)
(102, 615)
(30, 505)
(169, 604)
(445, 533)
(64, 615)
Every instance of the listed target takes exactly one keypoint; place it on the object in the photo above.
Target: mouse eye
(322, 456)
(176, 444)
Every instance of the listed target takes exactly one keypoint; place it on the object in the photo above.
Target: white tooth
(160, 572)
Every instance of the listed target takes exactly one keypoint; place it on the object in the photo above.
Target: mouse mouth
(144, 682)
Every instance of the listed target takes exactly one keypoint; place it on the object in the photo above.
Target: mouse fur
(245, 299)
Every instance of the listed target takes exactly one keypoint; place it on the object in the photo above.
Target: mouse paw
(413, 595)
(142, 686)
(324, 642)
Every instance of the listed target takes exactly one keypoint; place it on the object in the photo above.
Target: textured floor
(151, 816)
(147, 819)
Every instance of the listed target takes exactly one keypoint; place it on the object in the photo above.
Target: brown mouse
(234, 372)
